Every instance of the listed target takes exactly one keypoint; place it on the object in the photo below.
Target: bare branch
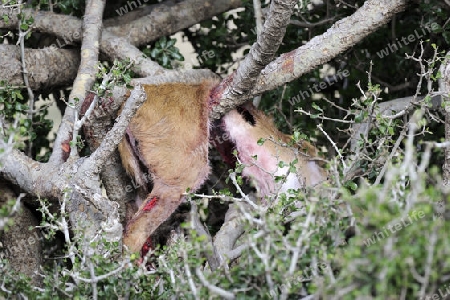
(84, 80)
(261, 53)
(96, 161)
(196, 224)
(312, 25)
(391, 109)
(119, 48)
(444, 87)
(289, 66)
(341, 36)
(212, 288)
(181, 76)
(258, 16)
(19, 169)
(22, 36)
(231, 230)
(167, 18)
(46, 67)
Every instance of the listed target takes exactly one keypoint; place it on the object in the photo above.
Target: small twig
(334, 146)
(221, 197)
(21, 41)
(429, 262)
(212, 288)
(187, 270)
(244, 196)
(298, 248)
(348, 111)
(104, 276)
(14, 209)
(94, 281)
(323, 117)
(391, 155)
(64, 227)
(307, 24)
(79, 123)
(265, 259)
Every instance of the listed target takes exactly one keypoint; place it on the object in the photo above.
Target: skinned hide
(168, 136)
(245, 126)
(167, 140)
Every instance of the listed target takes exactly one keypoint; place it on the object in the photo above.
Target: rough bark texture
(167, 18)
(261, 53)
(83, 81)
(78, 179)
(47, 67)
(95, 130)
(20, 245)
(164, 19)
(137, 27)
(289, 66)
(445, 87)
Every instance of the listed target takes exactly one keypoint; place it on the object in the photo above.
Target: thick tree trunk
(21, 246)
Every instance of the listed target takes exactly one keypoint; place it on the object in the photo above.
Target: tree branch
(95, 130)
(261, 53)
(182, 76)
(231, 230)
(392, 108)
(69, 127)
(289, 66)
(167, 18)
(45, 66)
(19, 169)
(95, 162)
(444, 86)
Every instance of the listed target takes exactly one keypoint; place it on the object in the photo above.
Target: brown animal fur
(169, 136)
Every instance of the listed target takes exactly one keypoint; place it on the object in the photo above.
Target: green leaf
(18, 94)
(351, 185)
(177, 56)
(360, 117)
(155, 52)
(315, 106)
(207, 24)
(165, 60)
(162, 42)
(171, 43)
(239, 168)
(18, 106)
(279, 178)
